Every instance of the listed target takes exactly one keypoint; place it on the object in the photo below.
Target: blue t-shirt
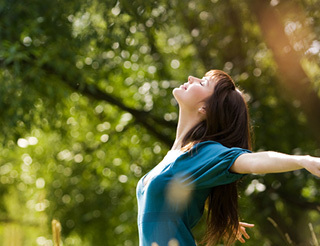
(171, 201)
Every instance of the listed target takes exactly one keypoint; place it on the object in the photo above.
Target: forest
(86, 110)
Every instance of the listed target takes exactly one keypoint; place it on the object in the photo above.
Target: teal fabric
(172, 202)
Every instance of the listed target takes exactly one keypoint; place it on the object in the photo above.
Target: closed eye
(202, 82)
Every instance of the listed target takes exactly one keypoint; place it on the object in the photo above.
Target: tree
(86, 109)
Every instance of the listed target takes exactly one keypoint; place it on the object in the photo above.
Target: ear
(202, 110)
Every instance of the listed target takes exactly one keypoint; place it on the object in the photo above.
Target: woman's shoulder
(208, 151)
(214, 145)
(208, 145)
(203, 150)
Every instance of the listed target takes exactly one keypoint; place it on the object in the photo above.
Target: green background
(87, 109)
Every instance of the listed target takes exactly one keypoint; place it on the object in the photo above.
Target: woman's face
(194, 93)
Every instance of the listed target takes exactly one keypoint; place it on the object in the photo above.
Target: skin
(191, 98)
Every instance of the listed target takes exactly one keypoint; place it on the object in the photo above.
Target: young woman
(210, 153)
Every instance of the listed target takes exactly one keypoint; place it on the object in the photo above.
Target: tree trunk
(294, 79)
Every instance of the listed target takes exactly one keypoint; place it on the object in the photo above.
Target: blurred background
(87, 109)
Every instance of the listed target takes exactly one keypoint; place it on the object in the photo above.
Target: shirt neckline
(149, 173)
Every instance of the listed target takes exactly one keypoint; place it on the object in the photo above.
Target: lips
(184, 86)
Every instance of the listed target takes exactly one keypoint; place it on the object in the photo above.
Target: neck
(186, 121)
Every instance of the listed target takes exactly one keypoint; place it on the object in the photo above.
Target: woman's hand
(242, 231)
(312, 164)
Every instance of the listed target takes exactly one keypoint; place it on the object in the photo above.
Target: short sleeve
(207, 165)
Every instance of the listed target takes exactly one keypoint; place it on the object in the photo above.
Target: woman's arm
(274, 162)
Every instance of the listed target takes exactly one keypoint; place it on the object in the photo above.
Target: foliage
(86, 110)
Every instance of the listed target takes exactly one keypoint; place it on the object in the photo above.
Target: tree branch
(153, 124)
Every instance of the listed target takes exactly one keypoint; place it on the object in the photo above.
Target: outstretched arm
(274, 162)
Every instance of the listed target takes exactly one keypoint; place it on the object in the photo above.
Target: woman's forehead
(212, 76)
(210, 81)
(209, 78)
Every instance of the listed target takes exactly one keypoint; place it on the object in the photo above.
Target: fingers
(246, 224)
(241, 239)
(242, 231)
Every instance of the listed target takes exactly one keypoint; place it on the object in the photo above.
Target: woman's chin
(176, 92)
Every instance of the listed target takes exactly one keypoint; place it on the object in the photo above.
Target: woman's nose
(191, 79)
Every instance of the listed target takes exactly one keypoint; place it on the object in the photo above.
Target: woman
(210, 153)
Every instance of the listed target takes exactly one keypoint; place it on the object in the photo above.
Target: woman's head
(226, 114)
(192, 95)
(227, 122)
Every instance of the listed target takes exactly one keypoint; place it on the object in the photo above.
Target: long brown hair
(227, 122)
